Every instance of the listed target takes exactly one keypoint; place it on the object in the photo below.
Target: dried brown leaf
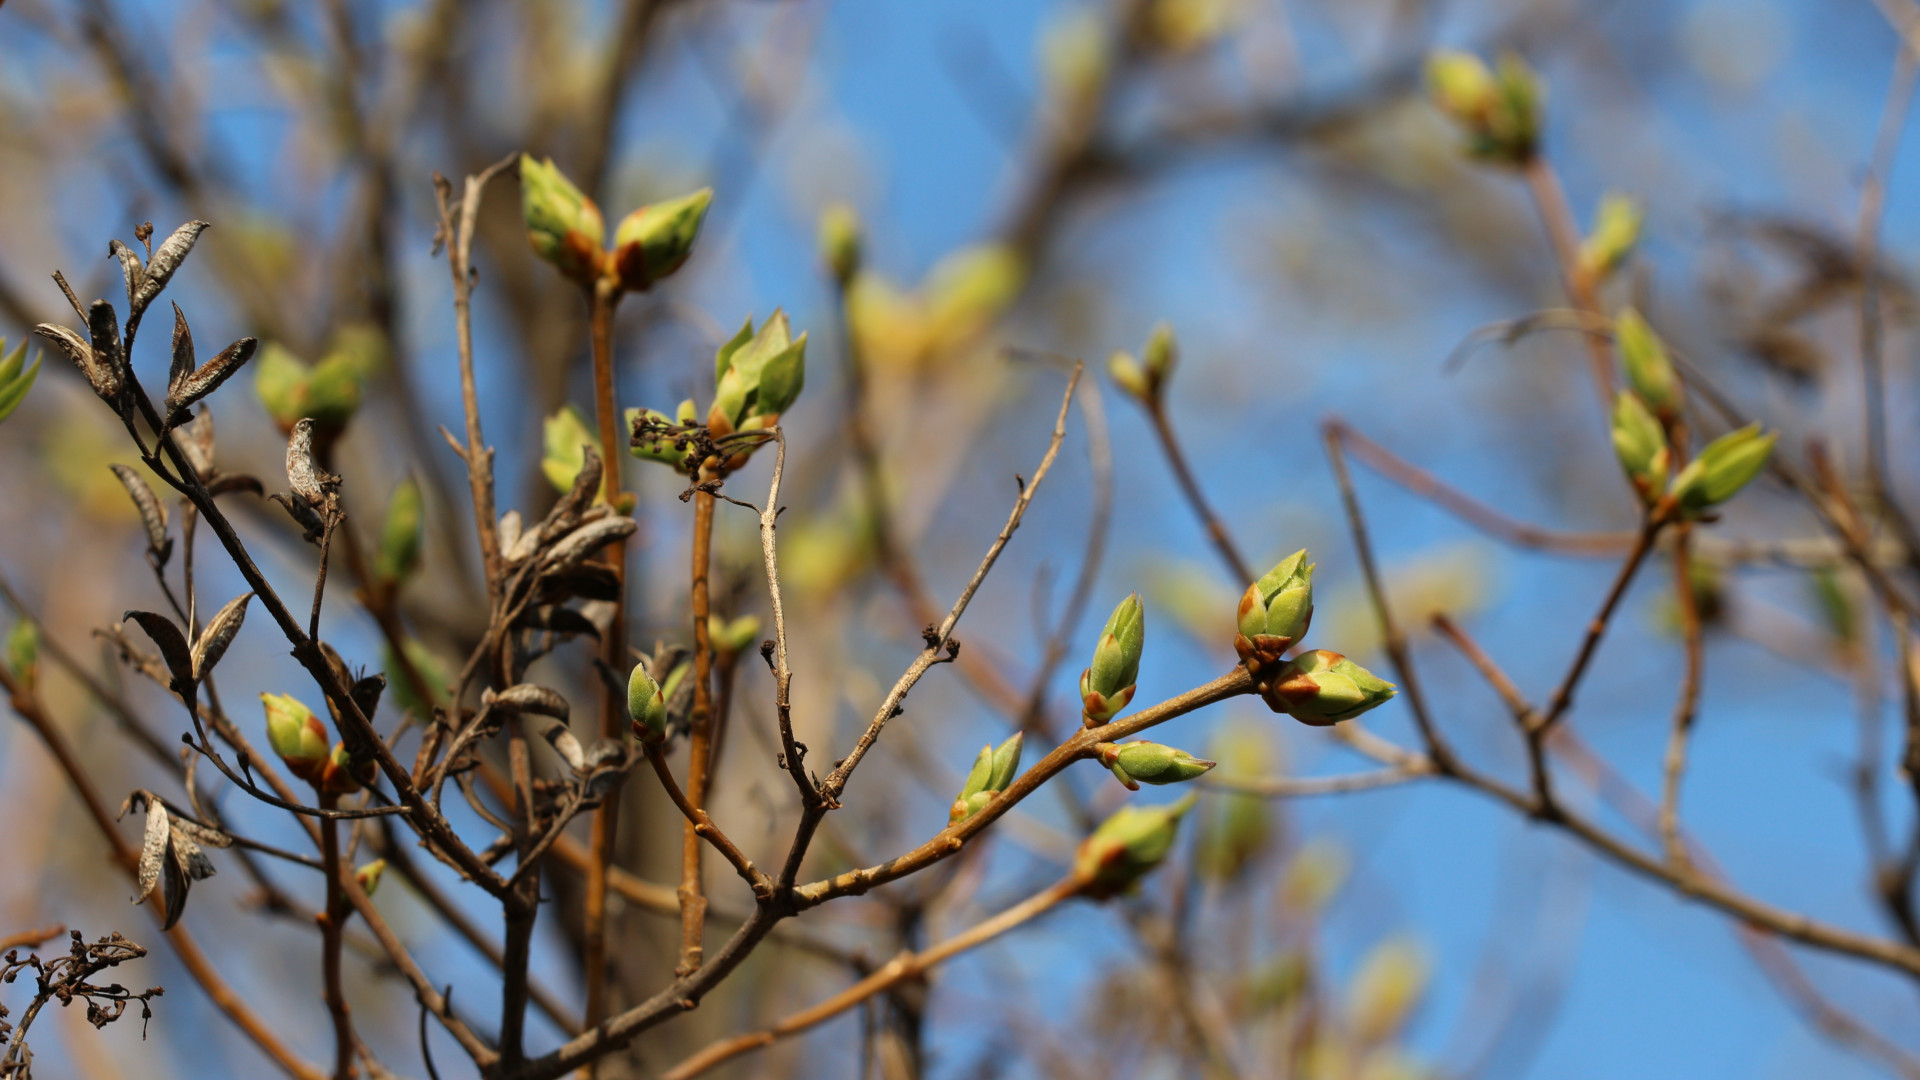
(532, 698)
(153, 512)
(166, 259)
(173, 646)
(210, 375)
(130, 268)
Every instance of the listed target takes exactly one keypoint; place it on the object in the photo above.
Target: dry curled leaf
(173, 646)
(104, 379)
(153, 512)
(567, 745)
(208, 377)
(196, 442)
(130, 268)
(103, 332)
(584, 541)
(219, 634)
(166, 259)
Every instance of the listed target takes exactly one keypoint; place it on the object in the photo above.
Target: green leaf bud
(369, 875)
(23, 651)
(733, 636)
(1107, 686)
(1161, 353)
(1641, 444)
(1498, 110)
(1322, 688)
(1616, 229)
(646, 705)
(1127, 374)
(564, 437)
(563, 225)
(1142, 762)
(399, 553)
(993, 769)
(14, 381)
(1127, 846)
(1724, 466)
(297, 736)
(653, 241)
(1649, 371)
(1275, 611)
(840, 242)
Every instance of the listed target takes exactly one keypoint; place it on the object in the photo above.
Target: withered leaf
(366, 693)
(103, 332)
(586, 486)
(195, 439)
(567, 745)
(174, 883)
(204, 835)
(589, 581)
(509, 532)
(560, 620)
(309, 482)
(226, 483)
(130, 268)
(219, 634)
(153, 512)
(210, 375)
(173, 646)
(166, 259)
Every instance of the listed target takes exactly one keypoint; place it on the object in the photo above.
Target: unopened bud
(1127, 374)
(1127, 846)
(1107, 685)
(840, 242)
(758, 374)
(23, 651)
(646, 705)
(328, 393)
(1616, 229)
(1161, 353)
(1142, 762)
(399, 553)
(993, 769)
(1498, 110)
(563, 225)
(1322, 688)
(1649, 371)
(733, 636)
(1275, 611)
(369, 874)
(653, 241)
(564, 437)
(297, 736)
(343, 775)
(1641, 444)
(1724, 466)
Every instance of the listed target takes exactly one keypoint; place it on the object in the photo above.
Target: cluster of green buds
(1109, 683)
(758, 374)
(15, 377)
(1146, 378)
(1644, 416)
(300, 739)
(565, 228)
(1127, 846)
(400, 533)
(1275, 611)
(1322, 688)
(993, 769)
(327, 393)
(1499, 109)
(1141, 762)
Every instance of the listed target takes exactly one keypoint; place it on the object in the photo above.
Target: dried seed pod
(310, 483)
(153, 850)
(103, 331)
(208, 377)
(173, 646)
(219, 634)
(166, 259)
(531, 698)
(104, 380)
(584, 541)
(153, 512)
(195, 440)
(130, 268)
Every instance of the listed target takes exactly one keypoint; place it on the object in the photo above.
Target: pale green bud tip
(563, 225)
(1649, 371)
(1322, 688)
(296, 735)
(1143, 762)
(23, 649)
(1127, 846)
(369, 876)
(646, 705)
(1459, 83)
(840, 241)
(1127, 374)
(1724, 466)
(653, 241)
(1276, 610)
(1641, 445)
(1498, 110)
(1161, 353)
(733, 636)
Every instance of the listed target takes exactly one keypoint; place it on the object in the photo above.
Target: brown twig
(693, 901)
(1686, 707)
(332, 919)
(1216, 529)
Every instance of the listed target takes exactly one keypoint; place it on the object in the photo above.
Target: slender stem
(902, 968)
(693, 902)
(703, 827)
(603, 300)
(1687, 706)
(332, 920)
(1562, 698)
(1236, 565)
